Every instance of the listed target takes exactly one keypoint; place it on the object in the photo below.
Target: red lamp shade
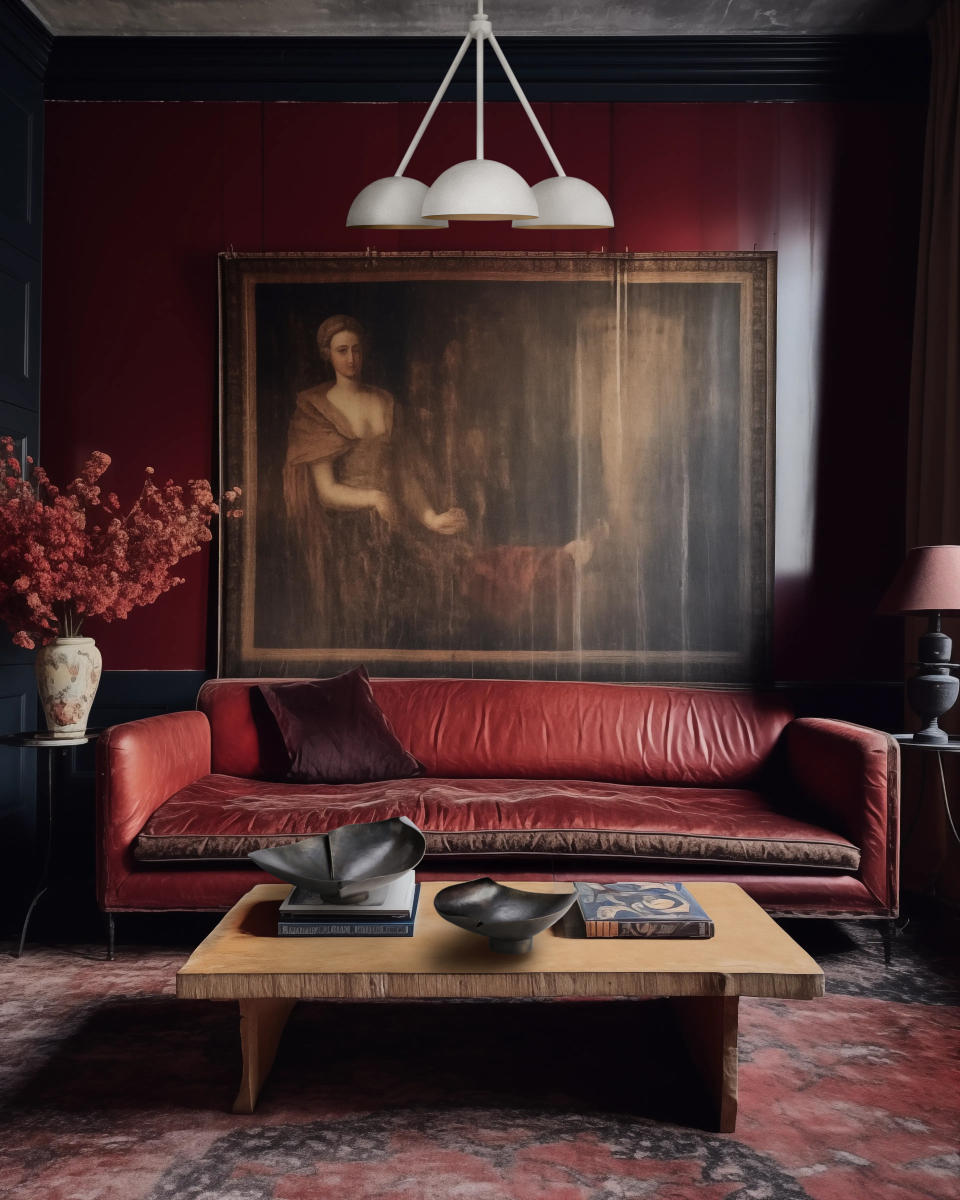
(928, 581)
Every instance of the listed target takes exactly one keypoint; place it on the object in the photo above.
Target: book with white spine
(395, 903)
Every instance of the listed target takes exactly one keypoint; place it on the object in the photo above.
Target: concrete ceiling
(384, 18)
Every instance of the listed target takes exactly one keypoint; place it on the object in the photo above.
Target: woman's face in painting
(346, 354)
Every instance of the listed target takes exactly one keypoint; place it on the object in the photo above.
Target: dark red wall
(141, 197)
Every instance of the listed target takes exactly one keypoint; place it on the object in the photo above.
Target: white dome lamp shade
(568, 203)
(391, 203)
(480, 190)
(395, 202)
(564, 202)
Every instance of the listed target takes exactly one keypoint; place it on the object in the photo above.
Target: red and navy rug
(112, 1089)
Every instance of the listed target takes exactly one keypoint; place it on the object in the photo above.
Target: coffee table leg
(709, 1024)
(261, 1027)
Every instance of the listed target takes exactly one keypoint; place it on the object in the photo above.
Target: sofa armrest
(139, 765)
(851, 774)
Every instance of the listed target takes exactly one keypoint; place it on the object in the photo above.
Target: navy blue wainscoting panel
(19, 327)
(130, 695)
(21, 152)
(22, 63)
(18, 779)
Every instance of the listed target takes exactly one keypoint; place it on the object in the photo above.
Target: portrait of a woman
(354, 491)
(498, 465)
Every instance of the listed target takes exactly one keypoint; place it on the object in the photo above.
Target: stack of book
(304, 914)
(639, 910)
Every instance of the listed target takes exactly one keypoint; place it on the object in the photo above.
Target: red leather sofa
(523, 780)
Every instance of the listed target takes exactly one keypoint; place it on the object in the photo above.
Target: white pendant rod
(479, 94)
(433, 107)
(526, 106)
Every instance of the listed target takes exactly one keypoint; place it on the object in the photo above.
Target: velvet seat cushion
(222, 817)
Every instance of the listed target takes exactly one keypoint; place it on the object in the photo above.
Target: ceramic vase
(68, 671)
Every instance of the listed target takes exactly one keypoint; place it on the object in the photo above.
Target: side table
(55, 749)
(950, 746)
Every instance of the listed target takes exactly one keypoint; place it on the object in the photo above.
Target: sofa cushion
(335, 732)
(221, 817)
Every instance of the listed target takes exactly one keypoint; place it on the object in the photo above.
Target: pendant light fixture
(480, 189)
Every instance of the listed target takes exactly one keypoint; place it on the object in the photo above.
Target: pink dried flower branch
(70, 554)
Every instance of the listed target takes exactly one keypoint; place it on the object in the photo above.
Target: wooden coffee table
(243, 959)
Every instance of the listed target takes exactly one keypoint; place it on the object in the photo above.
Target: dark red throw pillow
(335, 732)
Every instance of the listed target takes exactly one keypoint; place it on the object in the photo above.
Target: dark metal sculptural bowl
(354, 863)
(509, 917)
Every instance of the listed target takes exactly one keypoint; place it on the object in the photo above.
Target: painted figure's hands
(384, 506)
(454, 520)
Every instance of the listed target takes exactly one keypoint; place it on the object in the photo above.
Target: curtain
(931, 858)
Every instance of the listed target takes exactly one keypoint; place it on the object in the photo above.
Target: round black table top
(951, 746)
(41, 739)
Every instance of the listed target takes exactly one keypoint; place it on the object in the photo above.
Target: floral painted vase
(68, 671)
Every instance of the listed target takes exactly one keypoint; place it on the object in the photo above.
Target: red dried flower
(58, 567)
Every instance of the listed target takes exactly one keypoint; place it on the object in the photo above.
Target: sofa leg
(111, 937)
(890, 928)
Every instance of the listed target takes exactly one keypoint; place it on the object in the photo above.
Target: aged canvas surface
(499, 464)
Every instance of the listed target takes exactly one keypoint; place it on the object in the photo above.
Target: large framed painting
(524, 465)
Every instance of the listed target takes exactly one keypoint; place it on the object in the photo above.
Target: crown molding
(25, 37)
(551, 69)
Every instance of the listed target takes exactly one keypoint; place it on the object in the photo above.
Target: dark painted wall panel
(16, 137)
(18, 781)
(22, 58)
(14, 343)
(130, 695)
(17, 767)
(21, 153)
(19, 328)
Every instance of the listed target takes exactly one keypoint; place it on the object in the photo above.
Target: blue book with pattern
(641, 910)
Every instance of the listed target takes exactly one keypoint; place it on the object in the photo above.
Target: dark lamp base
(931, 736)
(931, 693)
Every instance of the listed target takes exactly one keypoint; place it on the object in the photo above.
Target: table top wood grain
(750, 955)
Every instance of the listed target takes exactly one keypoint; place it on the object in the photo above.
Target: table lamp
(929, 582)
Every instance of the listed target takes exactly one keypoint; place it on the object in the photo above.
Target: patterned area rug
(114, 1090)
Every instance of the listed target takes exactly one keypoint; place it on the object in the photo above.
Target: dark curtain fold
(933, 514)
(932, 860)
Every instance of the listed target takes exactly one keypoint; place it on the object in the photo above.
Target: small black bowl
(353, 863)
(510, 918)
